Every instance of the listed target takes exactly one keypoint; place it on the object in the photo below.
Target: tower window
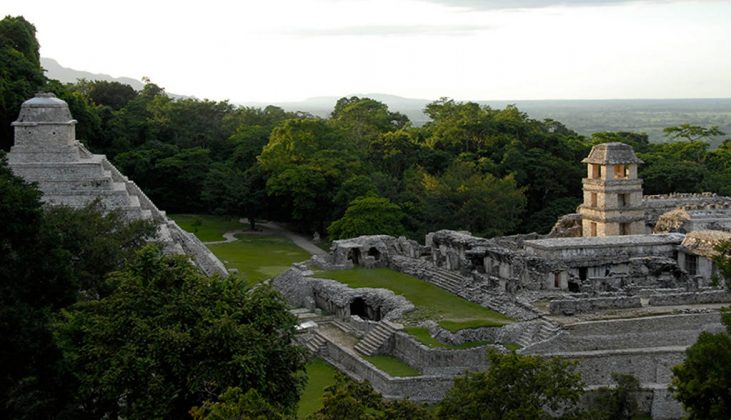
(623, 200)
(596, 171)
(621, 171)
(593, 199)
(624, 228)
(592, 226)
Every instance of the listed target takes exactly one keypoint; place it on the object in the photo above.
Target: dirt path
(272, 228)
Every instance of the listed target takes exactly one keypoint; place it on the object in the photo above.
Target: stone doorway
(359, 307)
(354, 256)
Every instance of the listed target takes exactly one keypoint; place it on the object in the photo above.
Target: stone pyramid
(46, 152)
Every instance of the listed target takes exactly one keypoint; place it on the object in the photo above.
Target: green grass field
(320, 376)
(392, 365)
(259, 257)
(452, 312)
(211, 228)
(422, 334)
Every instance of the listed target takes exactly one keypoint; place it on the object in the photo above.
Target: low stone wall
(434, 361)
(575, 306)
(426, 388)
(690, 298)
(646, 332)
(651, 366)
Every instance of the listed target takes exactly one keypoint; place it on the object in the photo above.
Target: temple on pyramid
(46, 152)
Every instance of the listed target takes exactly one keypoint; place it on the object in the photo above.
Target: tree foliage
(619, 402)
(349, 399)
(692, 132)
(514, 387)
(21, 75)
(368, 215)
(49, 258)
(702, 383)
(169, 338)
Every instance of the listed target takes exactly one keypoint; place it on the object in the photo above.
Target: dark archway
(354, 256)
(574, 287)
(358, 307)
(376, 254)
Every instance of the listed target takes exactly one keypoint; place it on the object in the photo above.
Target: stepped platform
(47, 153)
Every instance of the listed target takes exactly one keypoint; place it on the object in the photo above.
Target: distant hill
(584, 116)
(66, 75)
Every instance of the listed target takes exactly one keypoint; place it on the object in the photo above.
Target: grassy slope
(259, 257)
(432, 302)
(320, 376)
(211, 228)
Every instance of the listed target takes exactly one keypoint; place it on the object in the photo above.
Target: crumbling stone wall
(371, 251)
(583, 305)
(656, 205)
(303, 291)
(436, 361)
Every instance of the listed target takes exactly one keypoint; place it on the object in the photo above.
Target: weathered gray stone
(46, 152)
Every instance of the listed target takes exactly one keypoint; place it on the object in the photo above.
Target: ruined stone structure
(612, 192)
(46, 152)
(599, 289)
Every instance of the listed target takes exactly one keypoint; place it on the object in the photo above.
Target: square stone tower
(612, 192)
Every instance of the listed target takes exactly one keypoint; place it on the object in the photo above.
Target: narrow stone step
(375, 339)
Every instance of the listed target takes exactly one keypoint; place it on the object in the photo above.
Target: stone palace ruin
(626, 284)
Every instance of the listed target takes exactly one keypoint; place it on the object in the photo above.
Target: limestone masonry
(600, 289)
(46, 152)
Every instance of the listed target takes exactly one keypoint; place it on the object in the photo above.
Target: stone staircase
(344, 327)
(537, 331)
(425, 270)
(448, 280)
(507, 305)
(316, 343)
(376, 338)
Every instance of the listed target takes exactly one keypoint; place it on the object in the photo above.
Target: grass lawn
(422, 334)
(450, 311)
(259, 257)
(320, 376)
(392, 365)
(211, 227)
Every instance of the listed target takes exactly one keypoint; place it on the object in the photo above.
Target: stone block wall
(435, 361)
(691, 298)
(426, 388)
(576, 306)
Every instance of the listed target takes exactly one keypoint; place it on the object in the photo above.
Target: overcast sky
(283, 50)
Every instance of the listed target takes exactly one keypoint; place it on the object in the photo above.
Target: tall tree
(514, 387)
(692, 132)
(306, 161)
(170, 338)
(21, 75)
(368, 215)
